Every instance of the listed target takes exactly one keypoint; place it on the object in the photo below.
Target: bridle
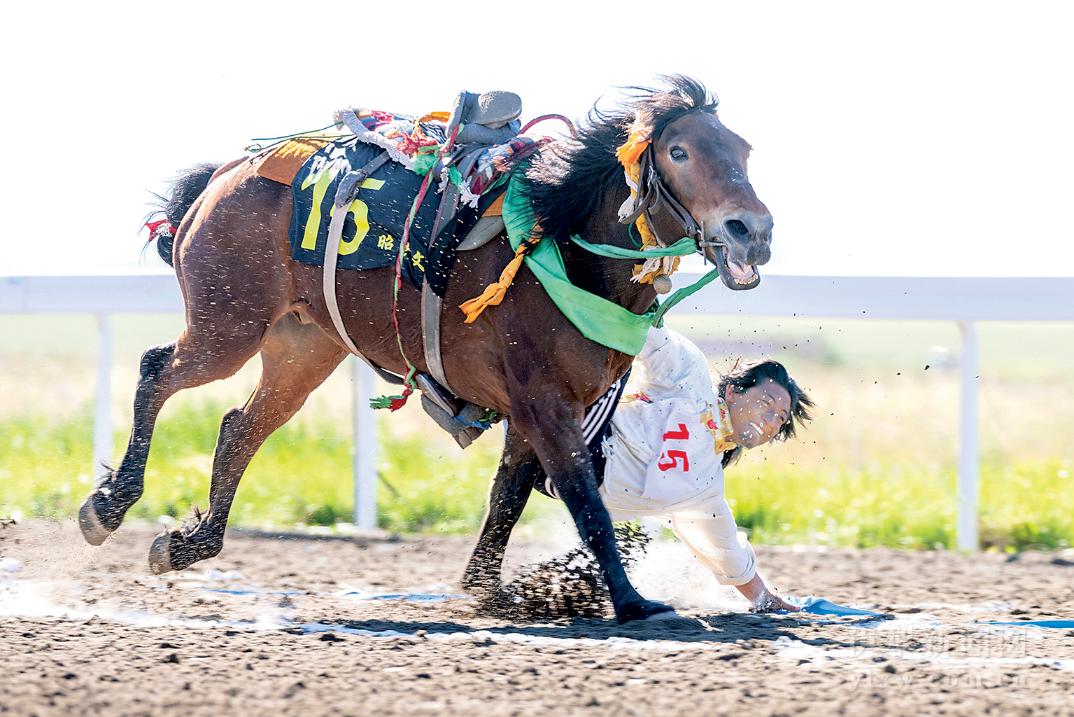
(654, 195)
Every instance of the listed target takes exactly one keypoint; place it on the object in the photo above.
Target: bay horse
(244, 295)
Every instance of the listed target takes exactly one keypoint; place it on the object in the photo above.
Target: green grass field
(877, 467)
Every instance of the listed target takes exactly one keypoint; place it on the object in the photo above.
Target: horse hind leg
(193, 360)
(296, 359)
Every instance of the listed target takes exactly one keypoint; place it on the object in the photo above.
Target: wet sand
(380, 627)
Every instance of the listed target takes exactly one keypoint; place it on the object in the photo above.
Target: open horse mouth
(735, 275)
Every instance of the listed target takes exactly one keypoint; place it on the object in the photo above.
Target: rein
(683, 247)
(654, 194)
(648, 194)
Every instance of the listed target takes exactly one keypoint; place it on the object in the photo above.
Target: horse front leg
(510, 491)
(550, 424)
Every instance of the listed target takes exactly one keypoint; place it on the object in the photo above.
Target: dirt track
(292, 627)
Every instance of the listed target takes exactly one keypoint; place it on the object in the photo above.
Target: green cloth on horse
(598, 319)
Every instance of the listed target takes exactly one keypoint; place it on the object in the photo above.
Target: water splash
(669, 573)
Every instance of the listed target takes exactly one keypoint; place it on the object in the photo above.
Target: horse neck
(605, 277)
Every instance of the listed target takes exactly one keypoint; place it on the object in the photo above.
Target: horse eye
(678, 154)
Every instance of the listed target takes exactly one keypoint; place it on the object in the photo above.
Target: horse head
(693, 169)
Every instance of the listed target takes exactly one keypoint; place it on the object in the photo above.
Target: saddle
(482, 132)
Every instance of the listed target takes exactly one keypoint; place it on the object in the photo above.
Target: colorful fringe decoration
(629, 155)
(160, 228)
(722, 431)
(392, 403)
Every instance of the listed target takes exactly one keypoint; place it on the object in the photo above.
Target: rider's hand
(770, 602)
(762, 599)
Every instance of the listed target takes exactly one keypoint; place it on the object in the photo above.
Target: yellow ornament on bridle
(653, 271)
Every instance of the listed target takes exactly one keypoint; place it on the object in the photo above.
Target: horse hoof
(646, 610)
(92, 529)
(160, 559)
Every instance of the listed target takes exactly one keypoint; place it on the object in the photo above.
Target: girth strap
(345, 194)
(431, 304)
(431, 308)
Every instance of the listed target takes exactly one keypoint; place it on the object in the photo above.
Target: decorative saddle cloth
(352, 208)
(375, 219)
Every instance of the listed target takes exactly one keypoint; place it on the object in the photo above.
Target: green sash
(598, 319)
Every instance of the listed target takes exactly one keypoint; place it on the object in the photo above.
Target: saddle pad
(375, 219)
(281, 163)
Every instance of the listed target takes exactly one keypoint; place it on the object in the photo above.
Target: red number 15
(670, 459)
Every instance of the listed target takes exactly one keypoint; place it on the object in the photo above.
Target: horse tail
(185, 189)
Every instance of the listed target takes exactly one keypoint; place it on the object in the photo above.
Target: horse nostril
(736, 228)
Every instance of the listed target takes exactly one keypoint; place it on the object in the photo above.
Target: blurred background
(876, 467)
(892, 139)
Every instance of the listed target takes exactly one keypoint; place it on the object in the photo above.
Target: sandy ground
(377, 627)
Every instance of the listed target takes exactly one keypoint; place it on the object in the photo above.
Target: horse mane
(568, 179)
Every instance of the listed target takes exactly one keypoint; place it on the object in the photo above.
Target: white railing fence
(962, 300)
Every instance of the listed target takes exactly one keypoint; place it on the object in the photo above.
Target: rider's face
(758, 413)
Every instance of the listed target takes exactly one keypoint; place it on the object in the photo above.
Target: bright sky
(916, 138)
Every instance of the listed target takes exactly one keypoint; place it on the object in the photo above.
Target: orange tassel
(629, 155)
(434, 117)
(494, 293)
(630, 152)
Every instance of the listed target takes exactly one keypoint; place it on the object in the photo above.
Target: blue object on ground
(414, 597)
(238, 591)
(1057, 624)
(820, 606)
(408, 597)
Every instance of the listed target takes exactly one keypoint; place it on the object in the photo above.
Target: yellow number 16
(358, 208)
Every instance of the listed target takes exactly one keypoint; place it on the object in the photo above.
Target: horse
(245, 295)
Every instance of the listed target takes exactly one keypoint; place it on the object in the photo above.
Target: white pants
(704, 523)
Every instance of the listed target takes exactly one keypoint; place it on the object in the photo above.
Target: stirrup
(465, 424)
(464, 435)
(437, 393)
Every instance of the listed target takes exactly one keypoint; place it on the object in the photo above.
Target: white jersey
(663, 457)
